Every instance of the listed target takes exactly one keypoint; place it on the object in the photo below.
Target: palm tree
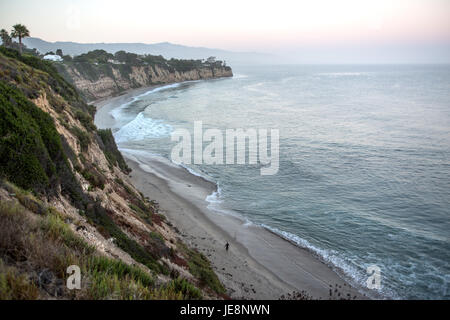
(6, 39)
(20, 31)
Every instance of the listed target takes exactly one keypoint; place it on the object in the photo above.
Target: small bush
(16, 286)
(83, 138)
(56, 228)
(110, 150)
(120, 269)
(200, 267)
(86, 120)
(188, 290)
(95, 178)
(145, 215)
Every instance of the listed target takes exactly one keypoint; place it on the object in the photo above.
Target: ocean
(364, 162)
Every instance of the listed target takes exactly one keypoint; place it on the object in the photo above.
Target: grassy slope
(38, 235)
(35, 157)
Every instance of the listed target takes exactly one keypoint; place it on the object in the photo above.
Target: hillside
(65, 199)
(165, 49)
(98, 74)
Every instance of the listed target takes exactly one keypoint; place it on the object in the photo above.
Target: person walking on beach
(227, 245)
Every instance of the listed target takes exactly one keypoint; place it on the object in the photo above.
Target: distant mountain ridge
(166, 49)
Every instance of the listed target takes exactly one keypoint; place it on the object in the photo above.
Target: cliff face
(65, 199)
(114, 80)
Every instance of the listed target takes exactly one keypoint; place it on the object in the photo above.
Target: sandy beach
(259, 263)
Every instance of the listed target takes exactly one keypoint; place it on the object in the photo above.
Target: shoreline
(260, 263)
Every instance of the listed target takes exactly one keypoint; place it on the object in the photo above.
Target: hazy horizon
(324, 31)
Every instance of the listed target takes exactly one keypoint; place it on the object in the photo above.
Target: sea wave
(215, 204)
(239, 76)
(144, 153)
(215, 197)
(117, 112)
(341, 265)
(142, 128)
(195, 173)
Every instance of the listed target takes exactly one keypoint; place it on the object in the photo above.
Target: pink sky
(239, 25)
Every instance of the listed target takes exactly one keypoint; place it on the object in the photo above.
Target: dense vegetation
(95, 63)
(49, 76)
(31, 153)
(98, 57)
(200, 267)
(109, 147)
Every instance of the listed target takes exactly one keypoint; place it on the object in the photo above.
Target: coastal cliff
(66, 199)
(98, 74)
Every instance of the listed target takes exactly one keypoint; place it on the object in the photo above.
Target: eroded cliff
(99, 74)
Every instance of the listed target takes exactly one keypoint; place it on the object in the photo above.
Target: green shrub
(82, 136)
(125, 70)
(189, 291)
(95, 178)
(16, 286)
(97, 264)
(55, 80)
(144, 214)
(86, 120)
(30, 146)
(184, 65)
(56, 228)
(109, 148)
(98, 56)
(200, 267)
(99, 217)
(156, 236)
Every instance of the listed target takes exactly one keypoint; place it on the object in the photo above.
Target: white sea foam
(332, 258)
(215, 204)
(195, 173)
(117, 112)
(142, 153)
(247, 224)
(240, 76)
(329, 256)
(214, 197)
(142, 128)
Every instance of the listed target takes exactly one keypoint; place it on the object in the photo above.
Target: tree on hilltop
(6, 39)
(20, 31)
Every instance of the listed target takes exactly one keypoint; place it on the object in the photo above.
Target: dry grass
(37, 243)
(16, 286)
